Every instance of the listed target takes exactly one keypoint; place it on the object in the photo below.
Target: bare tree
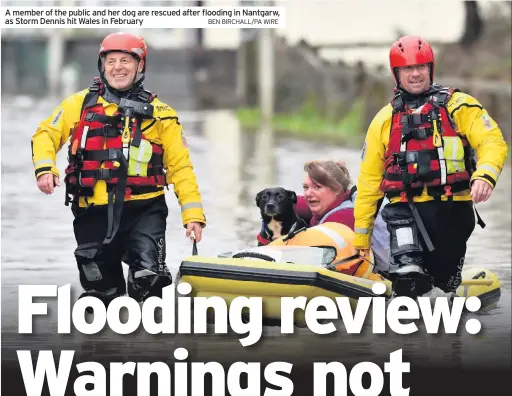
(473, 26)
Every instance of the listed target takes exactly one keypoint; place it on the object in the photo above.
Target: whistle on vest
(126, 131)
(436, 137)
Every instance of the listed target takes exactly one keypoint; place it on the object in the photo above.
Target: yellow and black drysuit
(419, 152)
(122, 153)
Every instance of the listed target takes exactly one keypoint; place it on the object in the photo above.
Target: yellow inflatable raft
(305, 265)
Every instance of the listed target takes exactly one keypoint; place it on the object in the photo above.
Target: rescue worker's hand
(197, 229)
(47, 182)
(480, 191)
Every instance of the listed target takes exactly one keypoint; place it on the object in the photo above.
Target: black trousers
(449, 226)
(139, 242)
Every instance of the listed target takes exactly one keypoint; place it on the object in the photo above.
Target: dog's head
(276, 201)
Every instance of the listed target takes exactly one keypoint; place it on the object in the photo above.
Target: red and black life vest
(96, 150)
(99, 150)
(415, 156)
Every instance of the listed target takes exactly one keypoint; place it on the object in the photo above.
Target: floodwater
(231, 166)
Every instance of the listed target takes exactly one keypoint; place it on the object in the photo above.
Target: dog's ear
(292, 196)
(258, 198)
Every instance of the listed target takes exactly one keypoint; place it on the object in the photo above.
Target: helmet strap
(397, 80)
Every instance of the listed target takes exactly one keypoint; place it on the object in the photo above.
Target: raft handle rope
(253, 255)
(345, 260)
(481, 274)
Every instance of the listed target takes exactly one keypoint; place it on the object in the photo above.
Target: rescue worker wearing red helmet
(419, 152)
(125, 147)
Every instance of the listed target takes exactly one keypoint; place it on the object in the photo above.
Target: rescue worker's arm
(483, 134)
(52, 133)
(369, 180)
(180, 171)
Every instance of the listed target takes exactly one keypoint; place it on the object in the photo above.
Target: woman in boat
(328, 198)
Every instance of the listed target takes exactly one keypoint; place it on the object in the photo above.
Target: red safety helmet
(124, 42)
(408, 51)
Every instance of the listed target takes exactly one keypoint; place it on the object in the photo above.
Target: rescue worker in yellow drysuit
(419, 153)
(125, 146)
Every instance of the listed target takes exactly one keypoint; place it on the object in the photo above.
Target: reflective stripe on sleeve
(44, 162)
(490, 169)
(192, 205)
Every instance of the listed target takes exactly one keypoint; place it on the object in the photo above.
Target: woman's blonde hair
(333, 174)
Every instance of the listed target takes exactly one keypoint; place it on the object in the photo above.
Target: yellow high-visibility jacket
(55, 131)
(471, 120)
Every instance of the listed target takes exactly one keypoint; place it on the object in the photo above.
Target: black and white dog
(277, 213)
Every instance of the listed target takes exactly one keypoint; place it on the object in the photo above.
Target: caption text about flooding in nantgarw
(145, 17)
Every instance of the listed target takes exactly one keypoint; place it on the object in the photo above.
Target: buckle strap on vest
(415, 119)
(146, 96)
(112, 155)
(417, 134)
(397, 102)
(96, 89)
(434, 191)
(139, 190)
(104, 119)
(108, 174)
(412, 157)
(444, 96)
(104, 131)
(410, 178)
(102, 155)
(440, 100)
(97, 86)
